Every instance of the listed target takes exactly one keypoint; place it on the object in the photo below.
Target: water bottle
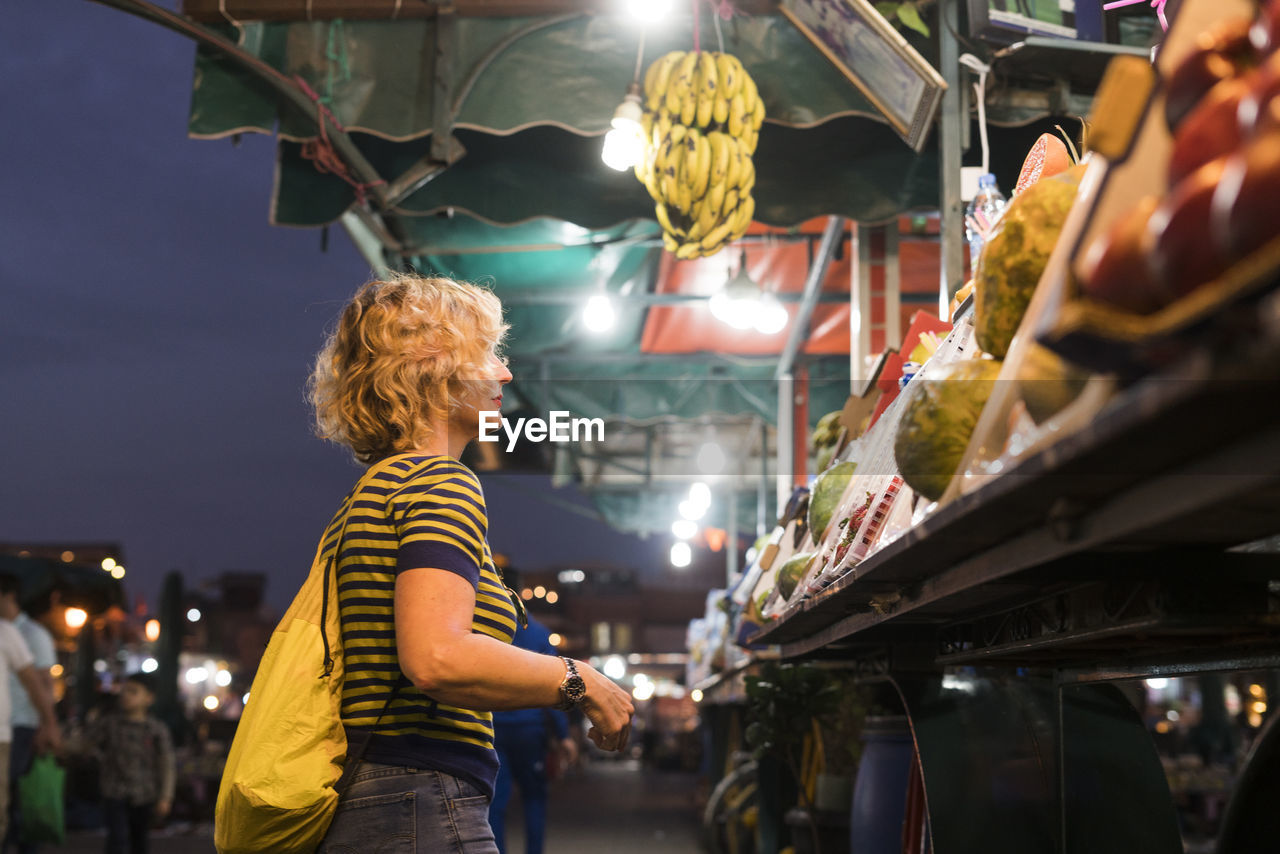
(981, 215)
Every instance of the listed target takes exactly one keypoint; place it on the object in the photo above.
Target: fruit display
(940, 413)
(824, 439)
(701, 123)
(1048, 383)
(827, 492)
(1222, 108)
(791, 572)
(1015, 255)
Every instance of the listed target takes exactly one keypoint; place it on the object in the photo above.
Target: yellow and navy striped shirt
(413, 512)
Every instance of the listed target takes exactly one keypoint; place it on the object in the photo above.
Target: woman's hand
(609, 709)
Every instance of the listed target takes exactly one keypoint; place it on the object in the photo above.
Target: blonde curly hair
(395, 363)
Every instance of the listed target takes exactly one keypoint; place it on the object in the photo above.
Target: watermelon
(1016, 253)
(1048, 157)
(827, 490)
(791, 572)
(938, 418)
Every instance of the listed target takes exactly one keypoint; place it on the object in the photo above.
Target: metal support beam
(291, 93)
(860, 308)
(812, 286)
(892, 288)
(952, 226)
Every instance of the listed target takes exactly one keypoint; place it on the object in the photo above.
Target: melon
(1016, 253)
(825, 497)
(938, 418)
(791, 572)
(1048, 383)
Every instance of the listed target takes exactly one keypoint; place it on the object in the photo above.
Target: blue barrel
(880, 790)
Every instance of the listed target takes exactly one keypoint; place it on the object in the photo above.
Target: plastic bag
(40, 800)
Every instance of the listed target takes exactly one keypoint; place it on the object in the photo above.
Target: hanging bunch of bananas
(701, 122)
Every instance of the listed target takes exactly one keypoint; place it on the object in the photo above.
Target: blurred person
(427, 621)
(16, 660)
(525, 740)
(136, 759)
(24, 717)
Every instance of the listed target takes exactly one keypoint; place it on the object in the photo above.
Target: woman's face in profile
(481, 392)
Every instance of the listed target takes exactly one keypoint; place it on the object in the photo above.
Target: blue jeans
(522, 757)
(390, 809)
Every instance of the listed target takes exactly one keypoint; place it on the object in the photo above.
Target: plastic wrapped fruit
(937, 421)
(1117, 266)
(1183, 255)
(1048, 383)
(791, 572)
(1015, 255)
(1247, 197)
(1223, 52)
(825, 497)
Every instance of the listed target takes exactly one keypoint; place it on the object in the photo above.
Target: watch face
(575, 689)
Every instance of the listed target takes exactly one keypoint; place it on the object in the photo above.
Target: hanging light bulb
(771, 317)
(624, 143)
(598, 314)
(649, 11)
(738, 303)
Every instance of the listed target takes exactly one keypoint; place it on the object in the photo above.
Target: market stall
(1074, 487)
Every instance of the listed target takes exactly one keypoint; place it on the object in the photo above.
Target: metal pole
(762, 511)
(860, 308)
(813, 285)
(731, 540)
(786, 443)
(892, 289)
(952, 215)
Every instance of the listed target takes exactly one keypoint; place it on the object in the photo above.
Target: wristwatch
(572, 689)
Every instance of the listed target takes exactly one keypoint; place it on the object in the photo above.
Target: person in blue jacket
(523, 739)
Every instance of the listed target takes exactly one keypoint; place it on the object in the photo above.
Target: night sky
(157, 331)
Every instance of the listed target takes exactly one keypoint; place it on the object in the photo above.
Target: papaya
(791, 572)
(1048, 383)
(1015, 256)
(825, 496)
(938, 418)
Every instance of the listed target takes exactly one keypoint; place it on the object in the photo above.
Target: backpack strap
(361, 741)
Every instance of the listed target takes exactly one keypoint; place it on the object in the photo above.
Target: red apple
(1222, 52)
(1260, 108)
(1211, 129)
(1245, 212)
(1116, 267)
(1184, 256)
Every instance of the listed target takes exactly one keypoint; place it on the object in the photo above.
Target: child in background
(136, 756)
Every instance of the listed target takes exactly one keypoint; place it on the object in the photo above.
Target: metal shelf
(1177, 469)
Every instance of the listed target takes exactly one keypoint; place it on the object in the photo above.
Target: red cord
(321, 152)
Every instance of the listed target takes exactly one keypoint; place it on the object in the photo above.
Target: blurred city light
(615, 667)
(211, 702)
(196, 675)
(684, 529)
(194, 615)
(152, 630)
(76, 617)
(552, 597)
(696, 695)
(222, 678)
(681, 554)
(554, 639)
(150, 665)
(108, 563)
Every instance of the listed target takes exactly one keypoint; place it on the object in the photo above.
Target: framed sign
(894, 77)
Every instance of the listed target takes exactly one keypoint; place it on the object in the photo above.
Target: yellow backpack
(281, 783)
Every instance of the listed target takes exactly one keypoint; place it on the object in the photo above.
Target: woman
(426, 619)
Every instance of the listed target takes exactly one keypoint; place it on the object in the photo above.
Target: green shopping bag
(40, 799)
